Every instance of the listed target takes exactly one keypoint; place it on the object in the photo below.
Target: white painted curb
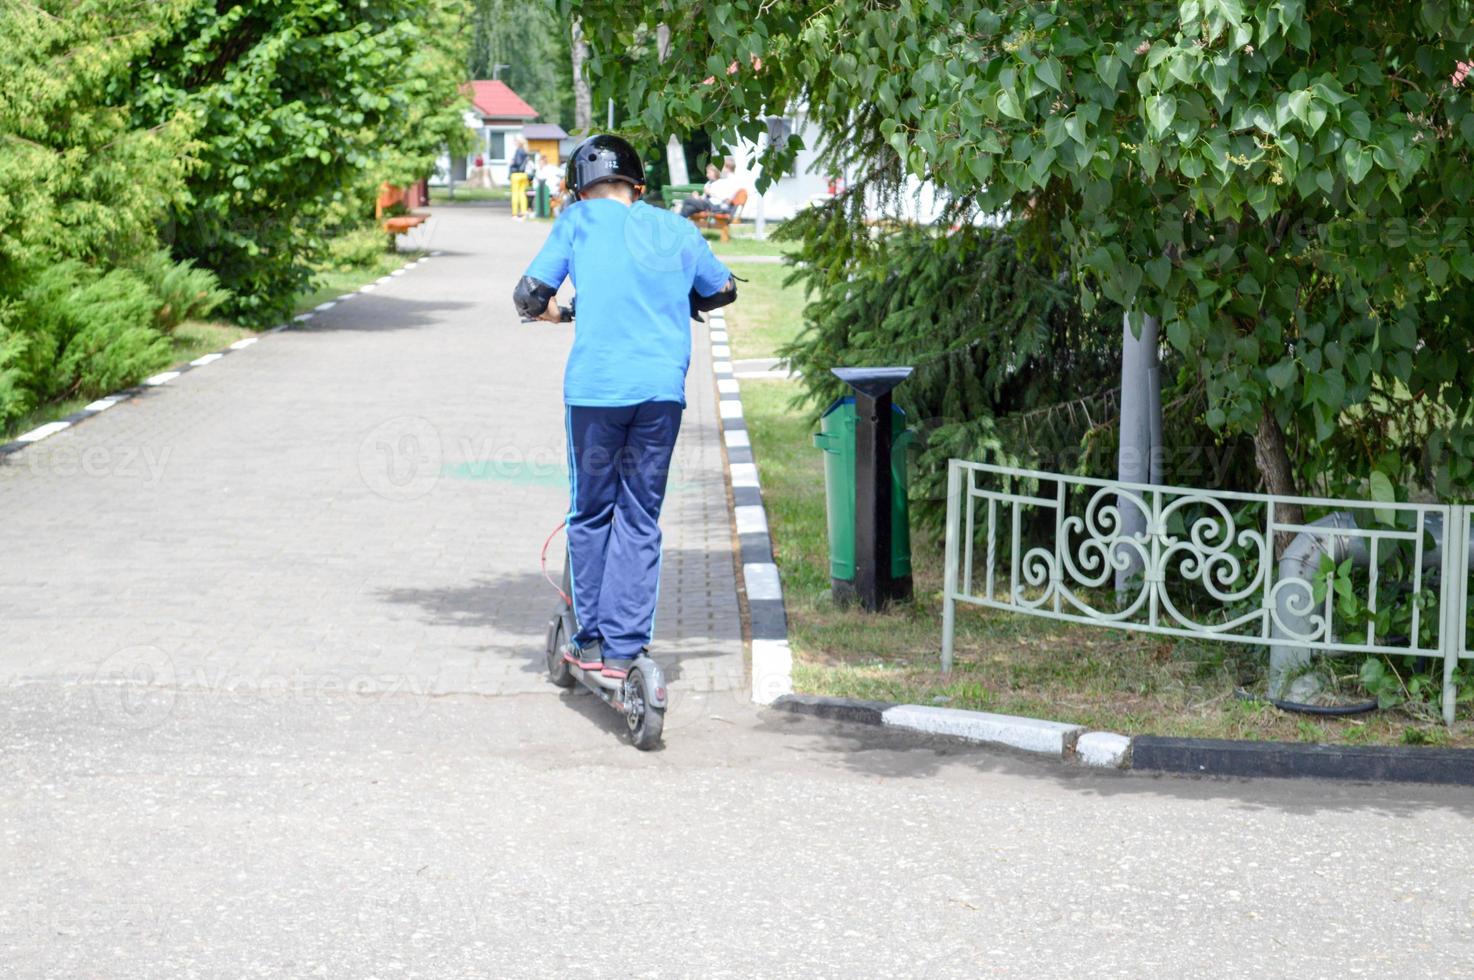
(1103, 750)
(772, 670)
(1026, 734)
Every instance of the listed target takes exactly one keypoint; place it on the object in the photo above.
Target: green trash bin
(836, 436)
(544, 206)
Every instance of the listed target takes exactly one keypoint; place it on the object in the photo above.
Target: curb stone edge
(1223, 758)
(771, 656)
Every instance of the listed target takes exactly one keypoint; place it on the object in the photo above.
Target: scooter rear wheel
(558, 671)
(645, 721)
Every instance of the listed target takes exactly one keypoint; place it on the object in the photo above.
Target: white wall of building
(810, 183)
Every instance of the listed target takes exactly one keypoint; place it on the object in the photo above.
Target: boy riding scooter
(640, 273)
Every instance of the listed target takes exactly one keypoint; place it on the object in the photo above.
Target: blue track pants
(618, 462)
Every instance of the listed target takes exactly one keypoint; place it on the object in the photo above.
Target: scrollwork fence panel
(1218, 565)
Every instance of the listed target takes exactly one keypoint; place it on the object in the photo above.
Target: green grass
(190, 339)
(742, 246)
(332, 283)
(442, 195)
(1003, 662)
(767, 314)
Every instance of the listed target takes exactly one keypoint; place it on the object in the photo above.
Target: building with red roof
(497, 114)
(498, 104)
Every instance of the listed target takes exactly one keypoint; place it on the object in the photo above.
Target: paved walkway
(359, 501)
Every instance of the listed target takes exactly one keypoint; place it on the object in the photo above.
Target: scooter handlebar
(565, 314)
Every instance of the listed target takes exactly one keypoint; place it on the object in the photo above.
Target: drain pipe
(1295, 606)
(1139, 455)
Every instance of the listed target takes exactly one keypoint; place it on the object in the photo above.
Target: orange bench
(391, 197)
(403, 223)
(723, 220)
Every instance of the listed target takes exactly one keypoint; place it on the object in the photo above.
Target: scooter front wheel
(558, 671)
(646, 721)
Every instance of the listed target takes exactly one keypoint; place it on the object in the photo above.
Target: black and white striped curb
(1153, 754)
(164, 377)
(772, 660)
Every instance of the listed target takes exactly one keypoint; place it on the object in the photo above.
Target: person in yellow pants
(519, 180)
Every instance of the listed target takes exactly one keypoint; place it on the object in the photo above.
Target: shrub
(356, 248)
(184, 291)
(89, 332)
(14, 399)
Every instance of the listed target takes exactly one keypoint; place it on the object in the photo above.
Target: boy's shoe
(617, 667)
(584, 658)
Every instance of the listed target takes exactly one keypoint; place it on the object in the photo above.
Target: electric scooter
(640, 696)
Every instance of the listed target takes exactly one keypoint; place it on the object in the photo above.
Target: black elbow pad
(720, 298)
(531, 297)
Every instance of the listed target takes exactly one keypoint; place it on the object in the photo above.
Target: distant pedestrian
(546, 176)
(518, 178)
(716, 197)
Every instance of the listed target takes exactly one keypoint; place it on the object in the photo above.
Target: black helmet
(603, 157)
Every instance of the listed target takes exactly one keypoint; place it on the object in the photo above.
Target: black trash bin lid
(872, 381)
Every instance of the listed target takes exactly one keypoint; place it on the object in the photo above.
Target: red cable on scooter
(556, 587)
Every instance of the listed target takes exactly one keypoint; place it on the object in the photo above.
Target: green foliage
(1288, 186)
(296, 102)
(88, 333)
(995, 335)
(356, 248)
(14, 399)
(184, 291)
(531, 40)
(76, 180)
(80, 189)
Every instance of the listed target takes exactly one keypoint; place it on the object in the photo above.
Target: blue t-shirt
(633, 267)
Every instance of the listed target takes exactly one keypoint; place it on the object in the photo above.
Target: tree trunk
(583, 107)
(1273, 458)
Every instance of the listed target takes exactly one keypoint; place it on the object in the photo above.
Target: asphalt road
(315, 833)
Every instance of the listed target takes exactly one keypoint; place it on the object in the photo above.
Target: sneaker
(617, 667)
(584, 658)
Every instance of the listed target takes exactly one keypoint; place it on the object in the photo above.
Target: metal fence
(1214, 565)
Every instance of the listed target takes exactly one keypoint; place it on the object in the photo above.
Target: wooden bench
(403, 223)
(391, 197)
(723, 220)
